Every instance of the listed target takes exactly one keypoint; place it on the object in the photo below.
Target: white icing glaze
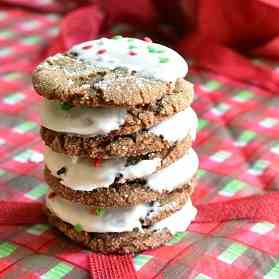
(177, 174)
(149, 59)
(178, 126)
(81, 120)
(118, 219)
(82, 175)
(179, 221)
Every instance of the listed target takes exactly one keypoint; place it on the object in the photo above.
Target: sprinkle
(66, 106)
(78, 228)
(147, 39)
(132, 47)
(130, 40)
(132, 53)
(151, 49)
(87, 47)
(101, 51)
(117, 37)
(51, 195)
(97, 162)
(61, 171)
(163, 59)
(100, 211)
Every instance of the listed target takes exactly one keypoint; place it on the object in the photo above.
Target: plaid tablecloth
(238, 146)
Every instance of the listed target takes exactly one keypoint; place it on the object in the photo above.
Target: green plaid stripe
(211, 85)
(220, 156)
(141, 260)
(202, 124)
(2, 172)
(13, 98)
(245, 137)
(13, 76)
(273, 273)
(201, 173)
(31, 40)
(202, 276)
(29, 155)
(269, 122)
(58, 271)
(6, 249)
(232, 187)
(220, 109)
(5, 33)
(243, 96)
(25, 127)
(37, 192)
(258, 167)
(275, 148)
(38, 229)
(177, 237)
(232, 253)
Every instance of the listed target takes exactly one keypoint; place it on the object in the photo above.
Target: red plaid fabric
(238, 146)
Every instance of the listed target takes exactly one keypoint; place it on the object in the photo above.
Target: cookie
(113, 230)
(112, 243)
(161, 138)
(63, 117)
(108, 72)
(178, 177)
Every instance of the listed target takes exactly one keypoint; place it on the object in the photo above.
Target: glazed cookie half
(128, 230)
(106, 190)
(108, 72)
(162, 138)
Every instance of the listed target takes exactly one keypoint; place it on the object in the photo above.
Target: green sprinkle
(117, 37)
(100, 211)
(66, 106)
(163, 59)
(131, 40)
(78, 227)
(132, 47)
(151, 49)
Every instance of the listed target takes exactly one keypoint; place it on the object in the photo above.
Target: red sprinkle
(147, 39)
(101, 51)
(87, 47)
(51, 195)
(132, 53)
(97, 162)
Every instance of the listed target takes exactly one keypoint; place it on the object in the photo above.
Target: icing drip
(178, 126)
(175, 175)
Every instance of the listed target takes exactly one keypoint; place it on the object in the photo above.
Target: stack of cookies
(118, 130)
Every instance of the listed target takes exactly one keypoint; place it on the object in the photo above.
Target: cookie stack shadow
(119, 160)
